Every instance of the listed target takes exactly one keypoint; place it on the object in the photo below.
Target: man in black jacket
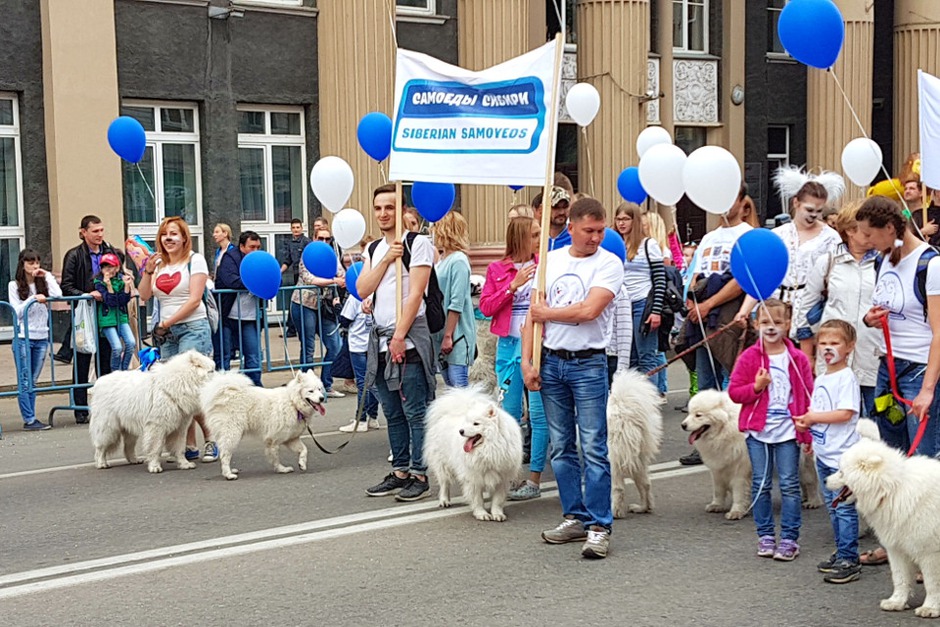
(79, 268)
(290, 255)
(239, 312)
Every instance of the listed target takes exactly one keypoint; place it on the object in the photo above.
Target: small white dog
(234, 406)
(898, 496)
(470, 441)
(634, 437)
(156, 406)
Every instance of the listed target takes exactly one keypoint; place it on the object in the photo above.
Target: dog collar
(301, 417)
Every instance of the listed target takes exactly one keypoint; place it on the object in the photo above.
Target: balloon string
(144, 178)
(390, 8)
(382, 172)
(590, 166)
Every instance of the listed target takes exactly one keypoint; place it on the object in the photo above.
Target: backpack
(208, 299)
(433, 296)
(920, 276)
(673, 303)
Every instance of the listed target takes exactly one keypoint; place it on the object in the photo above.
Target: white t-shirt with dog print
(568, 279)
(779, 426)
(832, 392)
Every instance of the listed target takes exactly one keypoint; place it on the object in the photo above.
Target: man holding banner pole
(400, 354)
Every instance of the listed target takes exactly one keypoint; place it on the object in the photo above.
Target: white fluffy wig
(789, 180)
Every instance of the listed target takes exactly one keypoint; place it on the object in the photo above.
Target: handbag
(85, 330)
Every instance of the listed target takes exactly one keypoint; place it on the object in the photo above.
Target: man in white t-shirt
(581, 282)
(240, 311)
(400, 355)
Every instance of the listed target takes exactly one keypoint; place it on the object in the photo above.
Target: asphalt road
(84, 546)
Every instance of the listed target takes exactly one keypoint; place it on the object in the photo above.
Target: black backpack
(920, 276)
(433, 296)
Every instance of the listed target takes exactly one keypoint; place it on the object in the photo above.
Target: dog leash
(692, 348)
(303, 418)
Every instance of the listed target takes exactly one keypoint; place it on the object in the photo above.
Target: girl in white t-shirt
(176, 278)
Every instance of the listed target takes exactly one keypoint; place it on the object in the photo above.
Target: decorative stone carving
(569, 76)
(652, 88)
(695, 89)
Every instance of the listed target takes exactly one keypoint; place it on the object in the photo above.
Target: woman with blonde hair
(222, 234)
(506, 298)
(521, 209)
(458, 342)
(654, 226)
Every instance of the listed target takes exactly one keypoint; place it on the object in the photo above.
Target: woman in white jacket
(841, 285)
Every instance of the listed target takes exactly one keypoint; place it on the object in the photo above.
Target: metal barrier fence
(314, 332)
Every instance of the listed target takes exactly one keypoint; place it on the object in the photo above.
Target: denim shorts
(184, 336)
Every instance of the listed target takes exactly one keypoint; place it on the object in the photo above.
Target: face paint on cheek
(831, 355)
(769, 332)
(172, 239)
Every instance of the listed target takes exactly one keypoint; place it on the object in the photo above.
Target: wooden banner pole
(398, 238)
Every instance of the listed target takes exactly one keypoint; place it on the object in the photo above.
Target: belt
(568, 355)
(784, 288)
(411, 356)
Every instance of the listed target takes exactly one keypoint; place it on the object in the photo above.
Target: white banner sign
(452, 125)
(929, 129)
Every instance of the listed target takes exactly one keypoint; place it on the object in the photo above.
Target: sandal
(874, 557)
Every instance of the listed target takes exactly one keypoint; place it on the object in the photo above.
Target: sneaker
(81, 418)
(414, 491)
(335, 394)
(352, 426)
(570, 530)
(844, 572)
(598, 540)
(36, 425)
(766, 546)
(526, 491)
(692, 459)
(391, 456)
(828, 565)
(211, 454)
(62, 359)
(348, 388)
(374, 423)
(391, 484)
(787, 551)
(192, 453)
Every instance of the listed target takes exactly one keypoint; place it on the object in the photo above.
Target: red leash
(893, 377)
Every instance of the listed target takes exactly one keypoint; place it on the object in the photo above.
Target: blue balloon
(127, 138)
(320, 260)
(375, 135)
(759, 262)
(812, 32)
(433, 200)
(516, 188)
(629, 186)
(613, 242)
(261, 274)
(352, 275)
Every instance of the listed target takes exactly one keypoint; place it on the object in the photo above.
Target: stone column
(80, 99)
(829, 122)
(490, 33)
(916, 46)
(356, 57)
(613, 46)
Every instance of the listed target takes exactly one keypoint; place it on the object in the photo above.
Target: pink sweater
(495, 301)
(754, 405)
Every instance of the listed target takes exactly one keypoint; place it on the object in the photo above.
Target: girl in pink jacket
(773, 382)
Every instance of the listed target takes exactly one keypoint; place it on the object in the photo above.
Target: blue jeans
(184, 336)
(404, 412)
(310, 325)
(122, 341)
(900, 436)
(456, 376)
(29, 356)
(581, 383)
(371, 409)
(844, 518)
(786, 457)
(509, 378)
(868, 400)
(711, 374)
(644, 353)
(249, 347)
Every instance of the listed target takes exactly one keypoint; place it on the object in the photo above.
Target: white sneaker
(374, 423)
(352, 426)
(391, 456)
(335, 394)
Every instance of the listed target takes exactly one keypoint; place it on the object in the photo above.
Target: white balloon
(661, 173)
(583, 102)
(861, 161)
(712, 179)
(349, 227)
(331, 180)
(649, 137)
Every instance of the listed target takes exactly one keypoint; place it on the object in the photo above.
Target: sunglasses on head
(324, 239)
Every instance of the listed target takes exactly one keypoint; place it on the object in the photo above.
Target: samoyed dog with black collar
(155, 406)
(234, 406)
(469, 441)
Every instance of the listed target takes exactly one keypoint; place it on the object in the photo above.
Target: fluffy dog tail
(217, 393)
(634, 396)
(868, 429)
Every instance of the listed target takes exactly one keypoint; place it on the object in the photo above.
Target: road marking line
(64, 576)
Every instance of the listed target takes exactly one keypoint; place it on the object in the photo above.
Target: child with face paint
(831, 421)
(773, 382)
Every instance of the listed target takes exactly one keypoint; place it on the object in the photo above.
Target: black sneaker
(845, 572)
(391, 484)
(81, 419)
(36, 425)
(692, 459)
(62, 359)
(414, 491)
(828, 565)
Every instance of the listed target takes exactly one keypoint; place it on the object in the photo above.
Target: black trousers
(83, 368)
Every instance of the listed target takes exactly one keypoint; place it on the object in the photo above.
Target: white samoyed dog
(898, 496)
(156, 406)
(471, 442)
(634, 437)
(234, 406)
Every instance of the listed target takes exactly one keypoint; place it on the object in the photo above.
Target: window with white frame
(416, 7)
(12, 233)
(778, 155)
(167, 181)
(690, 25)
(774, 9)
(272, 3)
(272, 166)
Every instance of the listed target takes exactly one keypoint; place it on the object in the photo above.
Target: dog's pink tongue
(321, 409)
(468, 445)
(692, 438)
